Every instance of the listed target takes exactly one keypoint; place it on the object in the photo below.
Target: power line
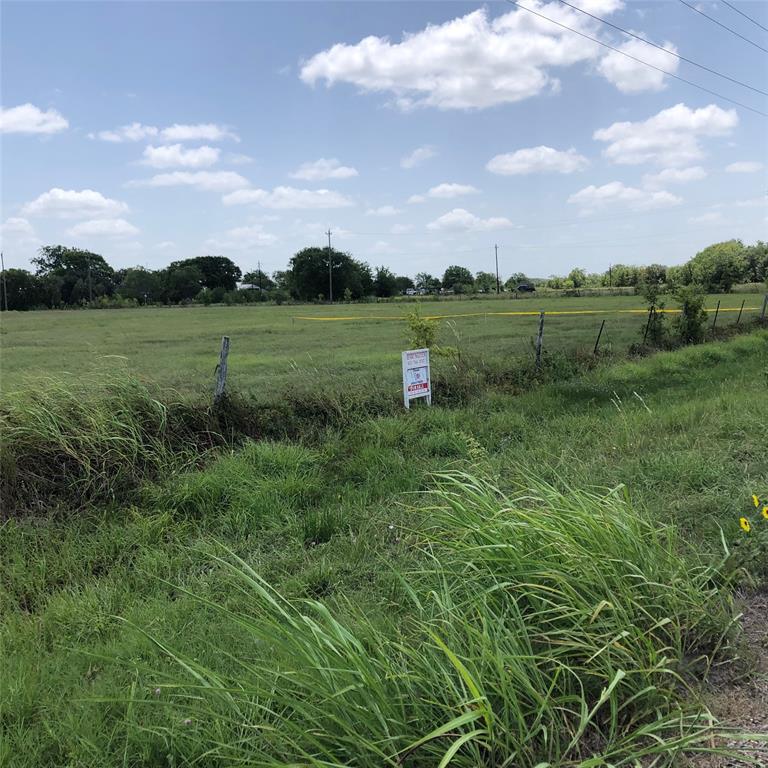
(720, 24)
(662, 48)
(754, 21)
(640, 61)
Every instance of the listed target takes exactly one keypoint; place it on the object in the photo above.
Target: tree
(622, 276)
(309, 274)
(216, 271)
(181, 283)
(515, 279)
(719, 266)
(77, 271)
(403, 283)
(578, 277)
(384, 283)
(140, 284)
(485, 282)
(458, 279)
(756, 262)
(23, 289)
(654, 273)
(258, 280)
(428, 283)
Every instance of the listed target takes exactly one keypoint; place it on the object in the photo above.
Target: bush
(690, 324)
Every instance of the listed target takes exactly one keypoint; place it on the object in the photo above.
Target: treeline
(71, 277)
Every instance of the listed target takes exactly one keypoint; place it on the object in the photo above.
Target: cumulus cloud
(614, 193)
(417, 157)
(541, 159)
(322, 169)
(240, 238)
(173, 155)
(470, 62)
(288, 197)
(27, 118)
(444, 191)
(461, 219)
(74, 204)
(673, 176)
(670, 138)
(207, 180)
(384, 210)
(744, 166)
(18, 231)
(632, 77)
(176, 132)
(103, 228)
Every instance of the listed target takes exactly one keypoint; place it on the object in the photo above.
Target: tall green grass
(540, 629)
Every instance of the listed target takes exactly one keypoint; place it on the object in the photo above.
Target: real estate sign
(416, 378)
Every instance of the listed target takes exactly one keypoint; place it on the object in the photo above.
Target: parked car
(526, 288)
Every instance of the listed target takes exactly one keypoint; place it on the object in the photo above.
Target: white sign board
(416, 378)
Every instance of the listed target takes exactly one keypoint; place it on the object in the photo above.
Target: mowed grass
(291, 346)
(248, 669)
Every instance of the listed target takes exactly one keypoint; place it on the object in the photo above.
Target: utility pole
(610, 276)
(330, 266)
(260, 288)
(5, 286)
(90, 284)
(498, 287)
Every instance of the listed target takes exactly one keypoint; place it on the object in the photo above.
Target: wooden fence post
(738, 319)
(648, 324)
(540, 339)
(714, 322)
(221, 370)
(599, 334)
(765, 304)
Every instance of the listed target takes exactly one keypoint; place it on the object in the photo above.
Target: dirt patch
(743, 703)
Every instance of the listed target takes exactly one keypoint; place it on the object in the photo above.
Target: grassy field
(457, 583)
(275, 347)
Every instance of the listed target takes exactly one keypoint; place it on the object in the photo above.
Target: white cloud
(470, 62)
(73, 204)
(165, 245)
(382, 247)
(131, 132)
(447, 191)
(172, 155)
(632, 77)
(103, 228)
(238, 159)
(18, 231)
(207, 180)
(176, 132)
(673, 176)
(401, 229)
(322, 169)
(539, 159)
(198, 132)
(289, 197)
(241, 238)
(417, 157)
(710, 217)
(384, 210)
(27, 118)
(669, 138)
(617, 193)
(461, 219)
(744, 166)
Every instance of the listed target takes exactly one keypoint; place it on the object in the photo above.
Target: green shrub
(690, 324)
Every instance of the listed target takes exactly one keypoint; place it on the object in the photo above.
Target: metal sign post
(417, 381)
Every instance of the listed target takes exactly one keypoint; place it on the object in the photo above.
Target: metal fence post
(540, 339)
(599, 334)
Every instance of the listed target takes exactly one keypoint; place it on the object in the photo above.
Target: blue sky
(420, 133)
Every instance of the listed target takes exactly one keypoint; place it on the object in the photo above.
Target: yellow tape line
(509, 314)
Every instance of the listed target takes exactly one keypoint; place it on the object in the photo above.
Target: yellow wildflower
(744, 523)
(765, 512)
(755, 501)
